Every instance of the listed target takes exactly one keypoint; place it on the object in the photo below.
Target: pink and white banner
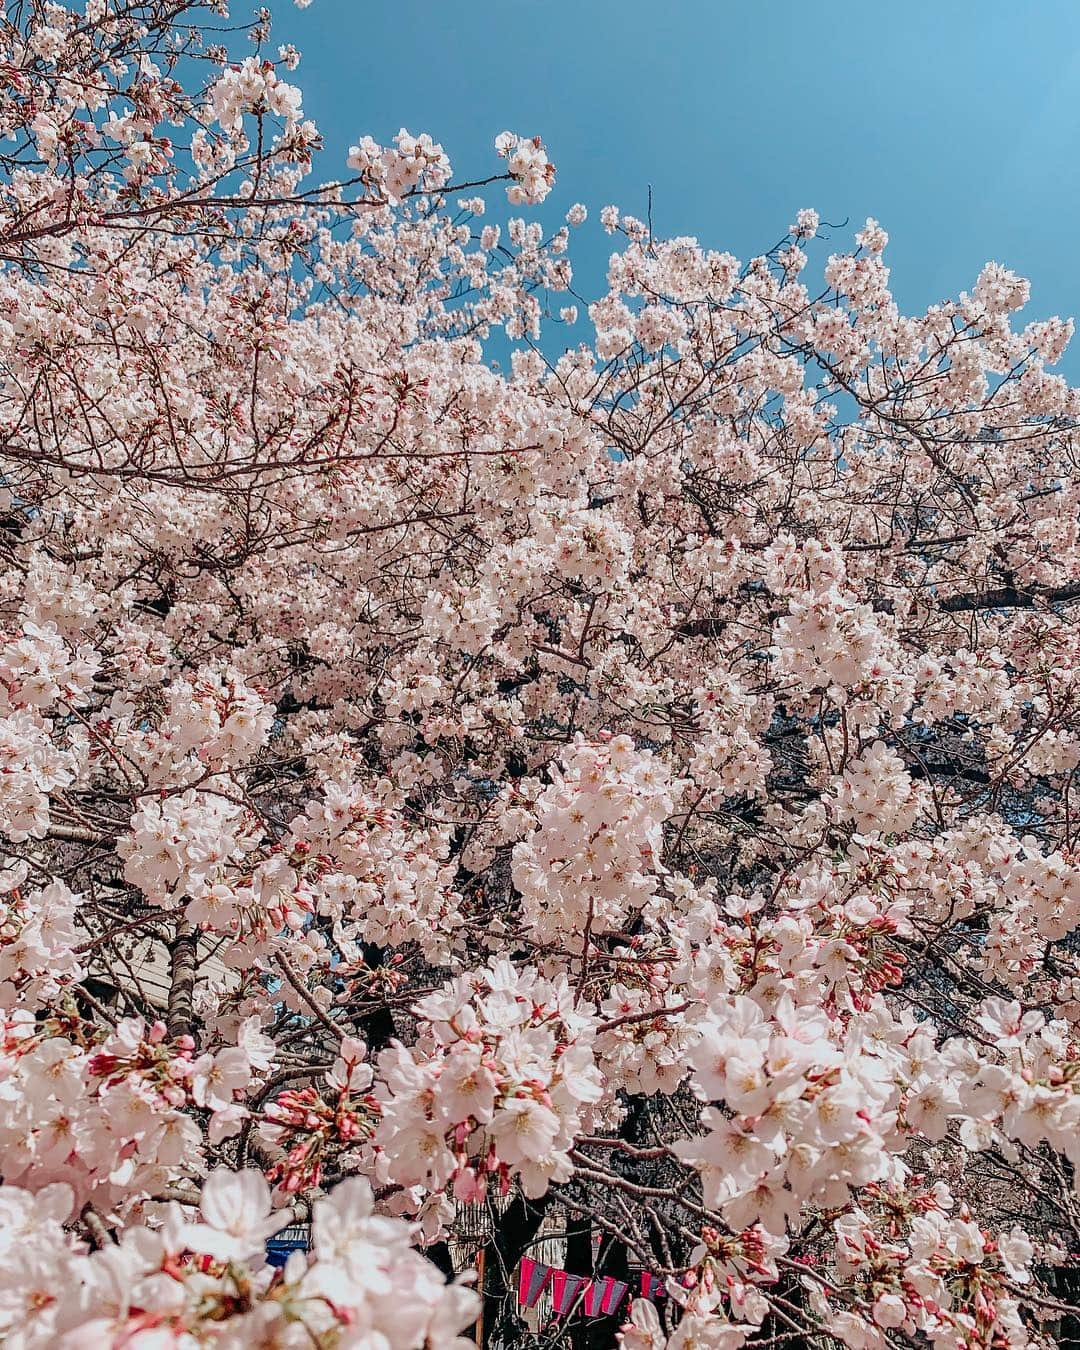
(532, 1281)
(565, 1289)
(600, 1297)
(604, 1296)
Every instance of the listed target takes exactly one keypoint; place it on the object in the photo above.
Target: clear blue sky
(955, 122)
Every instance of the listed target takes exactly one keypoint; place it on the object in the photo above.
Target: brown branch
(183, 963)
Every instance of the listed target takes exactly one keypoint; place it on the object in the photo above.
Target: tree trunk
(514, 1232)
(579, 1261)
(183, 961)
(614, 1260)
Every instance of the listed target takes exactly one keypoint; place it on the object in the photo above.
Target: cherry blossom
(628, 788)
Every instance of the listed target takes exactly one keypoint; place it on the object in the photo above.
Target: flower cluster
(38, 941)
(315, 1123)
(252, 87)
(922, 1267)
(593, 858)
(177, 846)
(205, 1281)
(529, 167)
(414, 162)
(497, 1086)
(113, 1117)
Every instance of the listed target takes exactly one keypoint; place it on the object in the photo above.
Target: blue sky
(955, 122)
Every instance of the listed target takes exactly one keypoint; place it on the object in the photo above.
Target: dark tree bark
(514, 1231)
(183, 965)
(579, 1261)
(612, 1259)
(439, 1255)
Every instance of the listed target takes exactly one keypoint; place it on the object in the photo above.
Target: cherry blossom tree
(638, 783)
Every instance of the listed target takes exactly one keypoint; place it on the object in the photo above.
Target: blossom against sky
(957, 125)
